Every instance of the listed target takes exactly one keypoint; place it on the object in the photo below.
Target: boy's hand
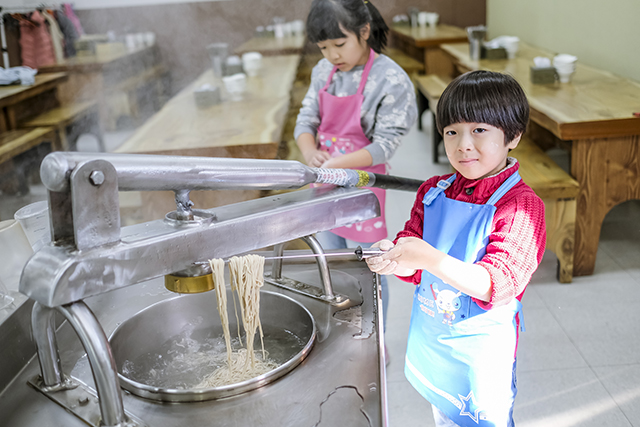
(378, 264)
(403, 259)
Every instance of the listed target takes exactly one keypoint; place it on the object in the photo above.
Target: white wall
(603, 34)
(98, 4)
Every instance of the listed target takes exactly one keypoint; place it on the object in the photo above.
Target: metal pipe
(103, 365)
(323, 266)
(44, 334)
(276, 264)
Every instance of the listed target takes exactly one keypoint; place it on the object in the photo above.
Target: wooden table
(248, 128)
(108, 73)
(595, 114)
(269, 46)
(423, 44)
(15, 101)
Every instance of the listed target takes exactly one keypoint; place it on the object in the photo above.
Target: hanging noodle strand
(247, 277)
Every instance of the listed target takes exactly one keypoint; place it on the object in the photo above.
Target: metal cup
(218, 53)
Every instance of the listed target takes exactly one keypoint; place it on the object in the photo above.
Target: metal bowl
(151, 337)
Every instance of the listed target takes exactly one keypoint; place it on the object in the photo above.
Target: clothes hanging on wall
(12, 37)
(68, 11)
(68, 32)
(57, 39)
(35, 42)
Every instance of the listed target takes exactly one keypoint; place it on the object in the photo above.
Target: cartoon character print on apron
(460, 357)
(340, 132)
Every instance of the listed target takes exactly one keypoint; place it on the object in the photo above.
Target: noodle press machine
(91, 255)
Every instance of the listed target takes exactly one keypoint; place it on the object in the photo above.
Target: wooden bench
(558, 190)
(410, 65)
(429, 88)
(13, 175)
(69, 122)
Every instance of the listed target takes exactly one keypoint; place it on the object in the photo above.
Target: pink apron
(340, 132)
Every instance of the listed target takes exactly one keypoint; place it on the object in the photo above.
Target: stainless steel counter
(341, 382)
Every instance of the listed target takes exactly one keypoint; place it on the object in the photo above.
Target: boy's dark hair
(485, 97)
(327, 16)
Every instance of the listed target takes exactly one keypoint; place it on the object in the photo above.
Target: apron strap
(502, 190)
(365, 72)
(433, 192)
(326, 86)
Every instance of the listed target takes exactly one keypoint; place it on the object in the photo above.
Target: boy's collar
(511, 162)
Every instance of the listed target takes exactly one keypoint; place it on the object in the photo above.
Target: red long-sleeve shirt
(518, 233)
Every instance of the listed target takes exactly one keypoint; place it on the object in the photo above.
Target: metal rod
(144, 172)
(360, 253)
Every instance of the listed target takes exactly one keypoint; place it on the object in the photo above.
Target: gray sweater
(388, 110)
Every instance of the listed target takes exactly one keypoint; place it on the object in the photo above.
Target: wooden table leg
(436, 61)
(608, 171)
(3, 121)
(12, 122)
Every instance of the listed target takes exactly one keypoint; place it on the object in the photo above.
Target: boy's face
(477, 150)
(347, 52)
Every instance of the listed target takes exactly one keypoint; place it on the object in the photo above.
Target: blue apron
(460, 357)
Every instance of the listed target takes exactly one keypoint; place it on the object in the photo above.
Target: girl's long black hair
(326, 18)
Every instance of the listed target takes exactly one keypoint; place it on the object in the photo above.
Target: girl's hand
(316, 158)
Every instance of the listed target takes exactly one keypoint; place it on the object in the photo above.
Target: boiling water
(183, 361)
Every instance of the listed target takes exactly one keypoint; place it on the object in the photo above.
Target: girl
(359, 105)
(472, 242)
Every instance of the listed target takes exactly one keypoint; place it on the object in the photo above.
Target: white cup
(149, 38)
(432, 19)
(235, 85)
(130, 41)
(564, 58)
(423, 18)
(5, 298)
(511, 44)
(34, 219)
(565, 66)
(15, 251)
(252, 63)
(298, 27)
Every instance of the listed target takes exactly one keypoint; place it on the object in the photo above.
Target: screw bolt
(96, 178)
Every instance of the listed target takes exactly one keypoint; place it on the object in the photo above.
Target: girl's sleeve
(309, 116)
(395, 115)
(515, 248)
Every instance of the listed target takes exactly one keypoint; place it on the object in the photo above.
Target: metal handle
(363, 254)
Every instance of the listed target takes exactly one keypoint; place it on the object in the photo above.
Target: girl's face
(347, 52)
(477, 150)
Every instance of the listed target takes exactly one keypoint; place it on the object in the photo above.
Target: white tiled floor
(579, 359)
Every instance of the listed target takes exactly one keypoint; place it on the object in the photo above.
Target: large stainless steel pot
(289, 330)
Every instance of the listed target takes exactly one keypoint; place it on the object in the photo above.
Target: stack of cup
(235, 85)
(432, 19)
(565, 66)
(252, 63)
(34, 219)
(15, 251)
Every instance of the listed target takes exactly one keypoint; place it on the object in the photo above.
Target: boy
(472, 242)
